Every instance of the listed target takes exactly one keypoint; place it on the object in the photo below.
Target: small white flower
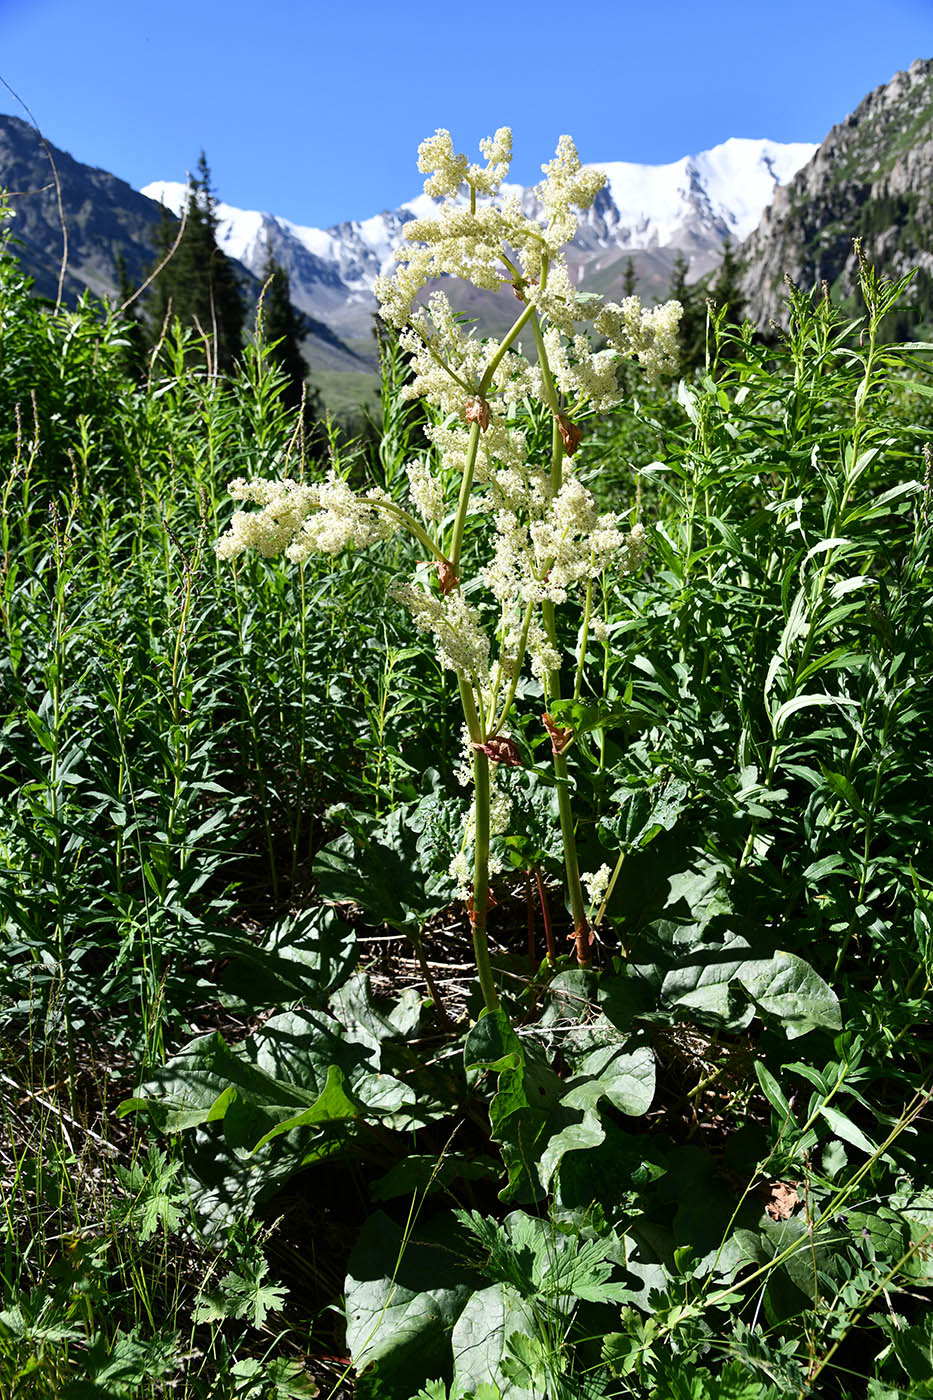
(597, 884)
(425, 491)
(461, 643)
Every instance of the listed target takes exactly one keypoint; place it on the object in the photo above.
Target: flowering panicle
(447, 171)
(541, 560)
(597, 884)
(284, 507)
(651, 335)
(548, 537)
(512, 482)
(449, 363)
(462, 644)
(471, 242)
(566, 185)
(300, 520)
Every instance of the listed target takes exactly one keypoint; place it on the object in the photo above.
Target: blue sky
(315, 110)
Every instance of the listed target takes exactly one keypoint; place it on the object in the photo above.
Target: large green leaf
(481, 1336)
(724, 987)
(624, 1075)
(403, 1297)
(393, 873)
(787, 988)
(525, 1109)
(199, 1085)
(301, 958)
(536, 1118)
(707, 982)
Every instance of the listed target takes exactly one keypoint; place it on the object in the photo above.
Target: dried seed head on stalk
(570, 434)
(447, 579)
(471, 907)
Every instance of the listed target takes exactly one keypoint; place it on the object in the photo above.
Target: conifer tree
(197, 284)
(282, 329)
(727, 290)
(630, 281)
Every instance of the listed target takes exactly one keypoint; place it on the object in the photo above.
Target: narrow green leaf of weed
(844, 1127)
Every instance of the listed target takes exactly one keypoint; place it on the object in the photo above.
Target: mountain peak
(690, 205)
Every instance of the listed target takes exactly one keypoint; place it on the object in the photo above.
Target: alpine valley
(647, 212)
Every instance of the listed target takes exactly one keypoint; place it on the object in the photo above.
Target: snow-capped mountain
(653, 211)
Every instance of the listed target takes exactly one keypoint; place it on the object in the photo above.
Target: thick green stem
(550, 392)
(584, 637)
(513, 683)
(463, 503)
(581, 927)
(481, 880)
(480, 849)
(466, 484)
(497, 358)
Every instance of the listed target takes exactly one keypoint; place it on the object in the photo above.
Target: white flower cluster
(566, 185)
(461, 643)
(651, 335)
(513, 483)
(471, 242)
(500, 815)
(299, 520)
(447, 171)
(448, 363)
(597, 884)
(425, 491)
(569, 544)
(285, 505)
(582, 373)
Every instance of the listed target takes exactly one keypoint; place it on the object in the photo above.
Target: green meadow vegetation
(286, 1109)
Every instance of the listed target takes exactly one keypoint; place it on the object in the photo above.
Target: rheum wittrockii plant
(547, 539)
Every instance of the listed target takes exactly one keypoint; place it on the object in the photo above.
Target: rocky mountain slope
(872, 177)
(105, 217)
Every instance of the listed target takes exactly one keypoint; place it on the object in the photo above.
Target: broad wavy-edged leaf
(301, 958)
(391, 874)
(626, 1077)
(332, 1103)
(481, 1336)
(787, 988)
(708, 983)
(403, 1297)
(200, 1084)
(580, 1136)
(726, 987)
